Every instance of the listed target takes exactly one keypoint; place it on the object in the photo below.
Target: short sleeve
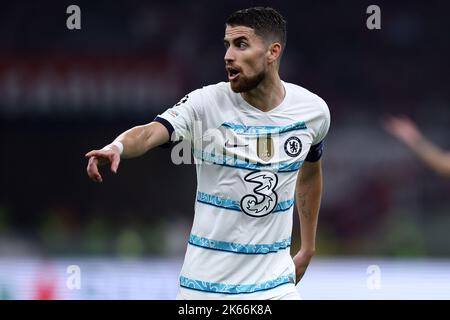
(316, 150)
(180, 119)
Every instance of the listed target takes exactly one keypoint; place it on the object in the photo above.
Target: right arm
(140, 139)
(136, 141)
(175, 123)
(407, 132)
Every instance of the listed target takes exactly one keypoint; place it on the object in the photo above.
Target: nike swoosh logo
(228, 145)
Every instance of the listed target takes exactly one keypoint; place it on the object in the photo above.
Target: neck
(267, 95)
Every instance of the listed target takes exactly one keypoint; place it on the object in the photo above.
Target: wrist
(117, 144)
(308, 252)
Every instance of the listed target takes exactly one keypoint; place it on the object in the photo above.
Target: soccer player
(406, 131)
(258, 142)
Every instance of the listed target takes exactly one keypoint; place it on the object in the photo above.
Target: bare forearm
(140, 139)
(308, 197)
(437, 159)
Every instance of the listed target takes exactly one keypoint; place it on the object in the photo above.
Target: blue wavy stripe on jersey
(257, 130)
(288, 167)
(235, 288)
(238, 247)
(284, 205)
(241, 164)
(235, 205)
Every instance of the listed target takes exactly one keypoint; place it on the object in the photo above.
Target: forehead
(239, 31)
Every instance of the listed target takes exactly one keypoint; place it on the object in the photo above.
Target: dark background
(65, 92)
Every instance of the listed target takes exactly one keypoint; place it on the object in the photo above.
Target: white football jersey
(247, 162)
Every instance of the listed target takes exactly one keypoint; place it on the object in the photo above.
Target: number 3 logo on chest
(264, 199)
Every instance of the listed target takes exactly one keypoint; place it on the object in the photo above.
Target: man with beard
(258, 143)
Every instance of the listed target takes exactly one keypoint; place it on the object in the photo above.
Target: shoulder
(215, 89)
(303, 95)
(218, 94)
(204, 95)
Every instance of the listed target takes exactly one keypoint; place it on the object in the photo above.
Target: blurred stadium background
(63, 93)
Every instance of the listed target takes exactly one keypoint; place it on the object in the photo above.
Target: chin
(244, 84)
(236, 87)
(241, 86)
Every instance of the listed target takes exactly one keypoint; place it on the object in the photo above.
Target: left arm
(307, 195)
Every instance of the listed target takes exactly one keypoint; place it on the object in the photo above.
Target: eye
(241, 45)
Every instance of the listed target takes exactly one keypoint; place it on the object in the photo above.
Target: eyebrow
(225, 41)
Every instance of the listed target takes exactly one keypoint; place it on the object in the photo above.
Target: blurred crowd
(64, 92)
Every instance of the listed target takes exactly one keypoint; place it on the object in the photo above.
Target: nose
(229, 56)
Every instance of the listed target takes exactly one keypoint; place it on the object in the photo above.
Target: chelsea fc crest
(293, 146)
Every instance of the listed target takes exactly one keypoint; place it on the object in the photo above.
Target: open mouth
(232, 73)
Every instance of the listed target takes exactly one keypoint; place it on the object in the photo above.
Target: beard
(245, 84)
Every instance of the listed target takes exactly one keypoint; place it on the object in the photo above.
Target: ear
(274, 52)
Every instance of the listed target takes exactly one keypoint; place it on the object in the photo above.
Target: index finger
(95, 153)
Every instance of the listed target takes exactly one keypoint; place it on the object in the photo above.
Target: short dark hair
(267, 22)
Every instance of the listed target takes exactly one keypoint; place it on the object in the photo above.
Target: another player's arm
(406, 131)
(308, 195)
(136, 141)
(432, 155)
